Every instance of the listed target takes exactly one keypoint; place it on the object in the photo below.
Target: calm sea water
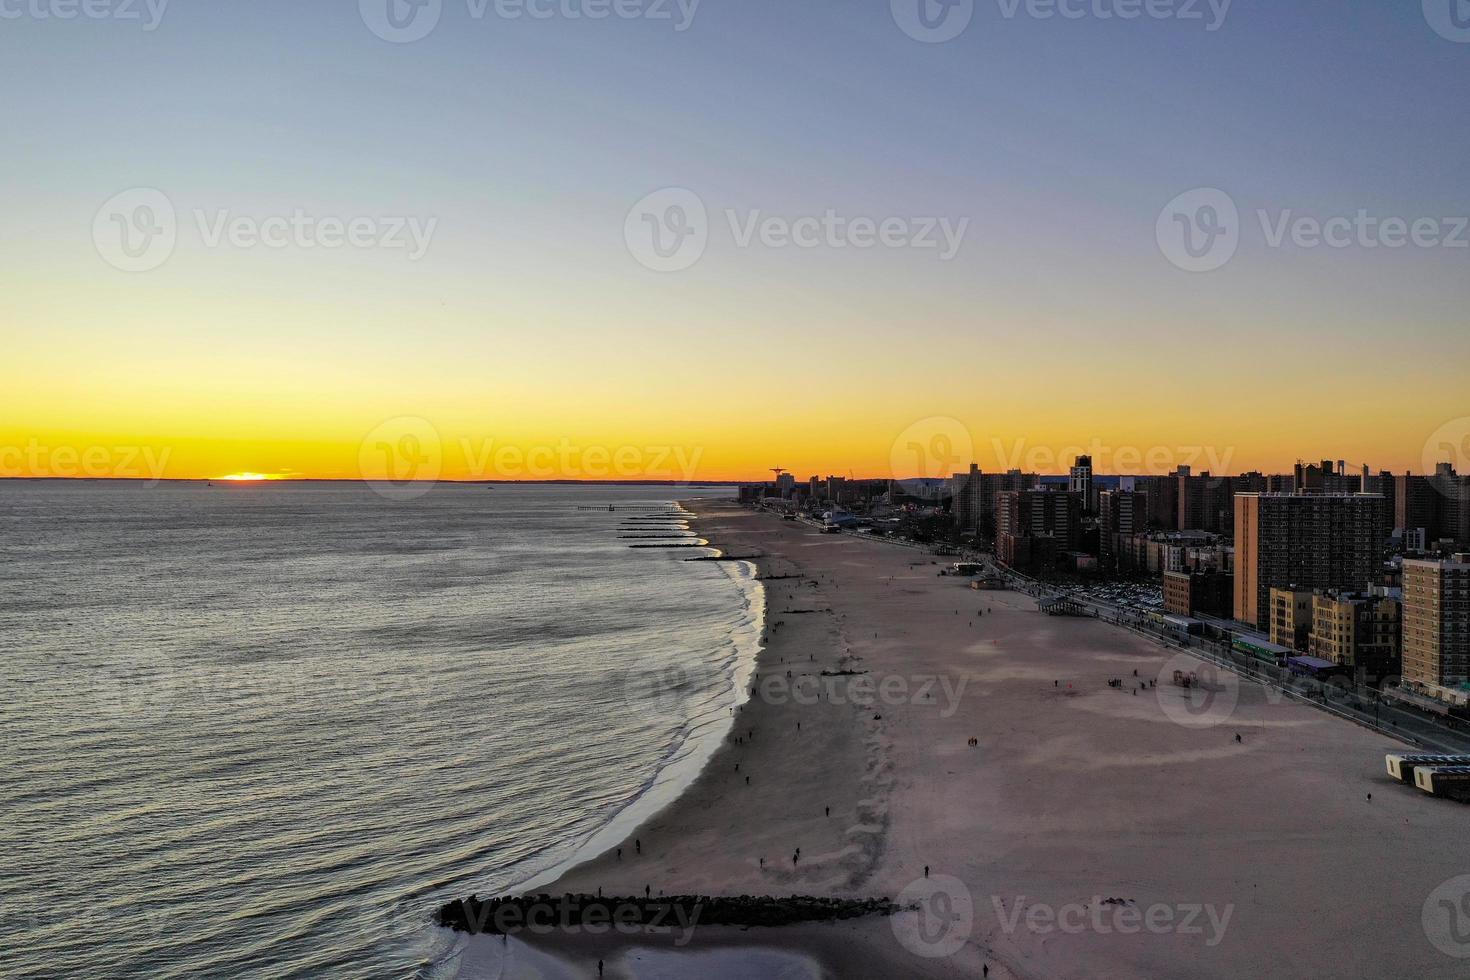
(262, 729)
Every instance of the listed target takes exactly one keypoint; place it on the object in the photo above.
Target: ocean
(265, 729)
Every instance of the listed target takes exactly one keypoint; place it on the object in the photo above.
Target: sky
(698, 241)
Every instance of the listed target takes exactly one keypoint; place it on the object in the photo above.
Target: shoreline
(1025, 789)
(688, 758)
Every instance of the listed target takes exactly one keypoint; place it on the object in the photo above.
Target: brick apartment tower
(1436, 618)
(1307, 541)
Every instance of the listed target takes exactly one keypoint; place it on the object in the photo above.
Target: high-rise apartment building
(976, 495)
(1034, 526)
(1436, 623)
(1438, 505)
(1303, 542)
(1206, 501)
(1121, 514)
(1079, 481)
(1163, 500)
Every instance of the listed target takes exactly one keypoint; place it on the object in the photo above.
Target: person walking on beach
(926, 871)
(638, 844)
(620, 854)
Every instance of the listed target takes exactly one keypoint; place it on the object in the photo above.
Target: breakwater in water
(549, 913)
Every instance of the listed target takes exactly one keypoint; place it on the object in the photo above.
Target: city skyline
(412, 448)
(431, 456)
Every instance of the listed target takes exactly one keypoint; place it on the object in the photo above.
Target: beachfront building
(1291, 618)
(1157, 552)
(976, 497)
(1358, 630)
(1190, 593)
(1436, 625)
(1121, 514)
(1303, 542)
(1035, 527)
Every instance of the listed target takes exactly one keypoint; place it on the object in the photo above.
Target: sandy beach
(1090, 830)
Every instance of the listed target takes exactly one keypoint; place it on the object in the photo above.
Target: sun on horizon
(250, 477)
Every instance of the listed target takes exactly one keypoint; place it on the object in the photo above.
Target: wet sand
(1090, 832)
